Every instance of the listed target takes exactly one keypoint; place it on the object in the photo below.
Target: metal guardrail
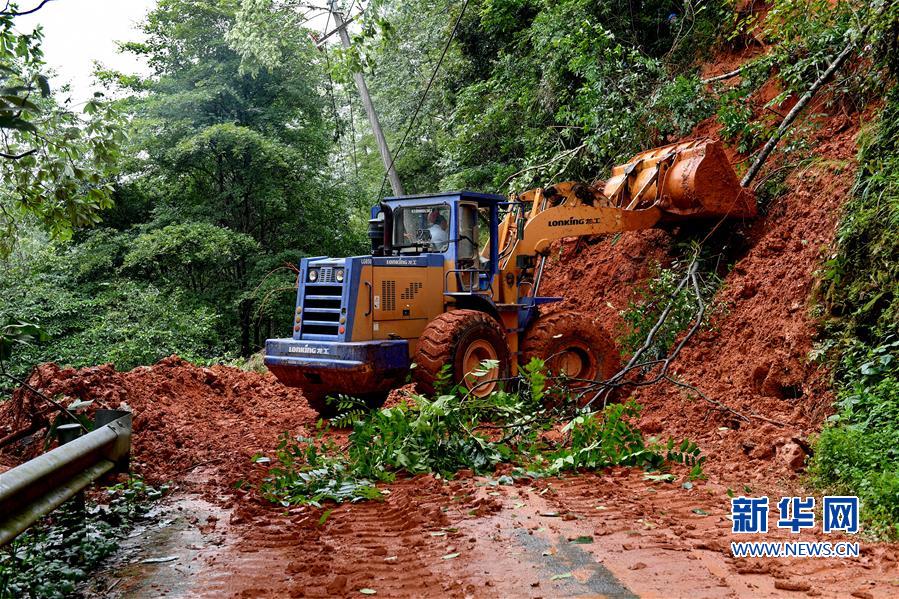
(34, 489)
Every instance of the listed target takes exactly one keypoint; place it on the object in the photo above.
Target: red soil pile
(600, 276)
(756, 361)
(185, 416)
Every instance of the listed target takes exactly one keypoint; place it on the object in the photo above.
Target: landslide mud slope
(754, 358)
(185, 417)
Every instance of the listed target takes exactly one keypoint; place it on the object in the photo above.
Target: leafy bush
(311, 471)
(737, 124)
(642, 314)
(195, 256)
(133, 298)
(857, 451)
(610, 439)
(801, 38)
(127, 323)
(806, 35)
(679, 105)
(455, 431)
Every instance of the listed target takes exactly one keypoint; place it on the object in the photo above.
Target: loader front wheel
(462, 339)
(571, 345)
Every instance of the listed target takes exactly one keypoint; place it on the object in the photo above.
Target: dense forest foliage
(247, 147)
(224, 180)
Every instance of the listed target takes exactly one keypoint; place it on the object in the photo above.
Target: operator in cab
(437, 230)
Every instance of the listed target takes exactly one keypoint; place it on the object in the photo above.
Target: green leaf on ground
(583, 540)
(660, 478)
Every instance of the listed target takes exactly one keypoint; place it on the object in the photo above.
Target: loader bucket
(692, 179)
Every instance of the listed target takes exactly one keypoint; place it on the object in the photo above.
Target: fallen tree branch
(758, 416)
(714, 402)
(616, 381)
(11, 438)
(18, 156)
(603, 389)
(725, 76)
(547, 163)
(16, 13)
(606, 387)
(801, 104)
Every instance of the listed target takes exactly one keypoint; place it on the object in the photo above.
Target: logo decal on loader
(307, 349)
(574, 221)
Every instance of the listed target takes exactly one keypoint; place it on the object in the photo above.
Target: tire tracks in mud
(386, 546)
(663, 540)
(612, 534)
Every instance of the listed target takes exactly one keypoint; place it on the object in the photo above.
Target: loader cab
(455, 228)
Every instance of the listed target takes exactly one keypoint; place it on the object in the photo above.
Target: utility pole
(395, 182)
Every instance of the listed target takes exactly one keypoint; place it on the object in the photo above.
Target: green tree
(198, 257)
(571, 85)
(56, 162)
(244, 152)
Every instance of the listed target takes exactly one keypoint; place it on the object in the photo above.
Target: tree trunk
(803, 101)
(245, 317)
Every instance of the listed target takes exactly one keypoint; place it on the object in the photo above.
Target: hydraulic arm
(690, 180)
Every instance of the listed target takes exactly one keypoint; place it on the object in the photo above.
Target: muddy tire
(462, 339)
(570, 343)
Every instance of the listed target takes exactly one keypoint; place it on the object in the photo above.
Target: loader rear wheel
(571, 345)
(462, 339)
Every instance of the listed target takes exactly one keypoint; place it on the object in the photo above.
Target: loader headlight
(338, 275)
(313, 275)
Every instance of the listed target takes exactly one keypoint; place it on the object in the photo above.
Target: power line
(421, 100)
(331, 85)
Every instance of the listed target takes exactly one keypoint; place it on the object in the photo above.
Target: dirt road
(612, 534)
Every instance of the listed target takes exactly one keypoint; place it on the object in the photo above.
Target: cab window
(421, 228)
(468, 232)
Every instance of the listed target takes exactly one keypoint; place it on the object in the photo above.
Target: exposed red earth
(611, 532)
(755, 357)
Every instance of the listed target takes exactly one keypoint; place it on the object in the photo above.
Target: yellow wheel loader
(454, 279)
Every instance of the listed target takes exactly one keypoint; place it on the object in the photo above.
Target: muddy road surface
(612, 534)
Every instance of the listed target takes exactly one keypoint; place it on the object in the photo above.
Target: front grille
(319, 329)
(326, 275)
(412, 290)
(321, 306)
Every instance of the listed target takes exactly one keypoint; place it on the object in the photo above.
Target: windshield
(421, 228)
